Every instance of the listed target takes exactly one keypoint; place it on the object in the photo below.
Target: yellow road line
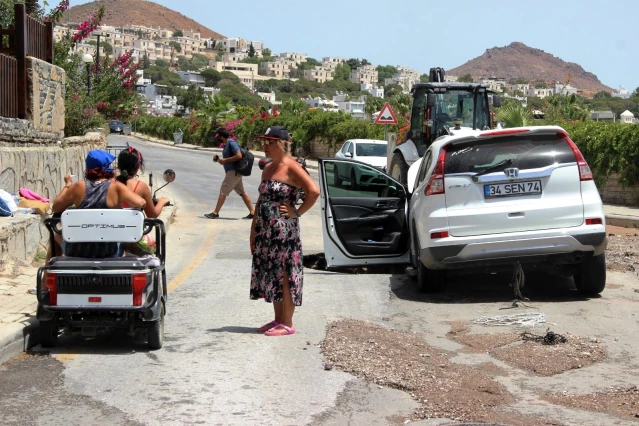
(196, 260)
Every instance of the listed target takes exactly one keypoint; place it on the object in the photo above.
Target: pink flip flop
(266, 326)
(280, 330)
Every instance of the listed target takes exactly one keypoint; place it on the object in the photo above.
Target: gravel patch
(621, 402)
(622, 253)
(548, 360)
(404, 361)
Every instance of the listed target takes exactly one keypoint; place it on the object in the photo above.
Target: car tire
(337, 182)
(353, 180)
(590, 280)
(49, 333)
(399, 168)
(155, 339)
(429, 280)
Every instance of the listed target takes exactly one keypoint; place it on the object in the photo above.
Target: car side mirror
(431, 99)
(348, 155)
(496, 101)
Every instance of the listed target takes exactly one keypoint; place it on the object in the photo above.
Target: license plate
(514, 189)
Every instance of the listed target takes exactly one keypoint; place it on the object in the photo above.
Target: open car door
(363, 219)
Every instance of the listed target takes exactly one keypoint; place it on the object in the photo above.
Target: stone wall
(42, 168)
(46, 91)
(321, 148)
(614, 193)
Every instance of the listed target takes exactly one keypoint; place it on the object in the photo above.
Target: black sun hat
(275, 133)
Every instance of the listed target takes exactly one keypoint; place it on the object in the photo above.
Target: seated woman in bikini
(130, 162)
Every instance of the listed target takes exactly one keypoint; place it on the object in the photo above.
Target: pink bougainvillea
(58, 12)
(85, 29)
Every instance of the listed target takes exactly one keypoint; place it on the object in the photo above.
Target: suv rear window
(527, 152)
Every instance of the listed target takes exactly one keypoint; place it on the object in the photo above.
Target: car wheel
(155, 337)
(49, 333)
(399, 168)
(336, 179)
(591, 277)
(429, 280)
(353, 180)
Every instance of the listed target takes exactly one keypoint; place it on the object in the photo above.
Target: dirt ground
(460, 370)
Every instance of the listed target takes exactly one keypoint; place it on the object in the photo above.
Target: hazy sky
(601, 36)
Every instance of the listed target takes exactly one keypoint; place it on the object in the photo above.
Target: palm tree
(512, 114)
(216, 107)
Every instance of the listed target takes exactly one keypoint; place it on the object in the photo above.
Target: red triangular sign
(386, 115)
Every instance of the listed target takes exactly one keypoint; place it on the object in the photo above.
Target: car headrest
(102, 225)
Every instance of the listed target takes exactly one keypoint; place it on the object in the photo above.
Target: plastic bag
(144, 247)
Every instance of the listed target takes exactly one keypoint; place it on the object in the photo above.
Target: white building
(319, 74)
(323, 104)
(496, 84)
(539, 92)
(404, 77)
(627, 117)
(332, 61)
(239, 45)
(622, 93)
(561, 89)
(365, 74)
(354, 107)
(297, 58)
(377, 92)
(247, 73)
(192, 77)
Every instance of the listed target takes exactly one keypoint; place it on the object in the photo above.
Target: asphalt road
(215, 370)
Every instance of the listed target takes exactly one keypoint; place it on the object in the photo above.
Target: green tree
(251, 50)
(178, 33)
(602, 95)
(365, 62)
(354, 63)
(267, 52)
(294, 106)
(424, 78)
(466, 78)
(512, 114)
(312, 63)
(211, 77)
(175, 48)
(190, 98)
(146, 62)
(392, 90)
(385, 71)
(373, 104)
(161, 63)
(215, 107)
(342, 72)
(105, 45)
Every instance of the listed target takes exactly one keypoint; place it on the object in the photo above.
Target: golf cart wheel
(337, 182)
(429, 280)
(590, 280)
(399, 168)
(49, 333)
(156, 333)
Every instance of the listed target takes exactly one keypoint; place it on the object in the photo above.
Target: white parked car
(479, 201)
(366, 151)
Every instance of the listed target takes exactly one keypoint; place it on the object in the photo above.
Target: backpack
(244, 166)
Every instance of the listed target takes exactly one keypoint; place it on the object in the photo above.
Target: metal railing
(28, 37)
(8, 86)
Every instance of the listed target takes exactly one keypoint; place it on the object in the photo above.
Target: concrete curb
(623, 221)
(311, 164)
(20, 337)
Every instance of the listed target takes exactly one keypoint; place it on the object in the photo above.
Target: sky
(600, 35)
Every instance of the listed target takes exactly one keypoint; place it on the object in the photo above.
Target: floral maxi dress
(278, 246)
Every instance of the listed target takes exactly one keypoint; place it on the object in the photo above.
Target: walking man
(232, 181)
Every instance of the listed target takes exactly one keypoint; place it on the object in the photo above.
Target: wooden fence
(28, 37)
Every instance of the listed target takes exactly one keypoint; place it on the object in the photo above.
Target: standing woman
(276, 246)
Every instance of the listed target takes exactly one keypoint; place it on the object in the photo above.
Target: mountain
(520, 61)
(138, 12)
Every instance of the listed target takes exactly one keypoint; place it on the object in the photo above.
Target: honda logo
(512, 173)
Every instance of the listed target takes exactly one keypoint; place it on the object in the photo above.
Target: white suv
(476, 200)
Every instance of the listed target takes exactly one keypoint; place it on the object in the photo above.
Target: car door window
(369, 181)
(423, 170)
(345, 147)
(351, 148)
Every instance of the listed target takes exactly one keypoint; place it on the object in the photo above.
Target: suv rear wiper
(495, 167)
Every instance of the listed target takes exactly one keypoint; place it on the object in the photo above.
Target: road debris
(527, 319)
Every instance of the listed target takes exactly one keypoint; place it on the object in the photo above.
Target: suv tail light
(436, 182)
(594, 221)
(139, 284)
(584, 169)
(52, 285)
